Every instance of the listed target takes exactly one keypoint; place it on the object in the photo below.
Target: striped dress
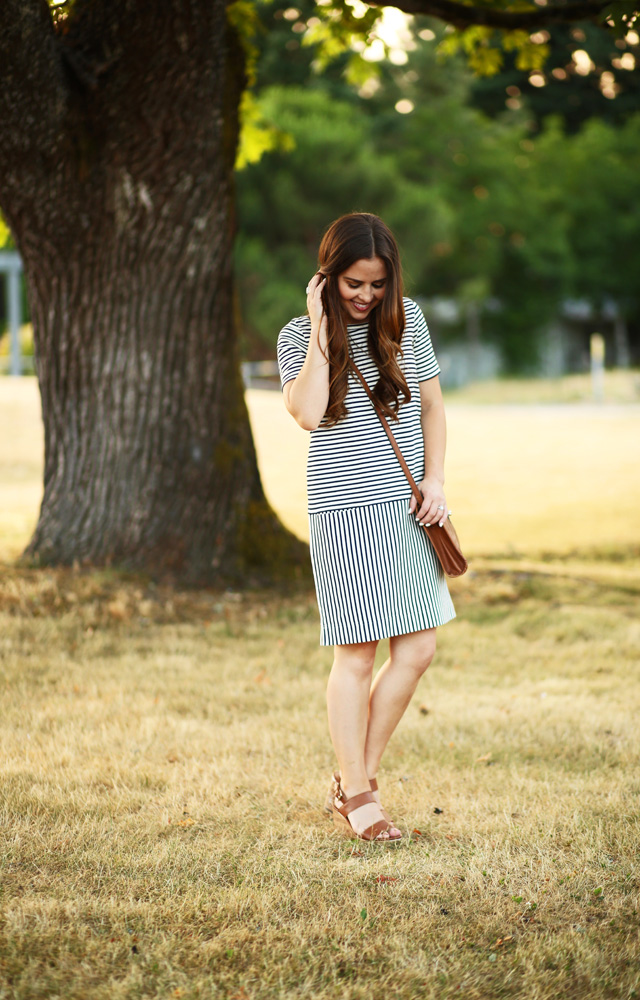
(375, 572)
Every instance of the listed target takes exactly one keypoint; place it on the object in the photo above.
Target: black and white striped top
(352, 463)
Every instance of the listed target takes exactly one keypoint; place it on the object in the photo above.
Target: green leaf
(258, 135)
(5, 234)
(363, 914)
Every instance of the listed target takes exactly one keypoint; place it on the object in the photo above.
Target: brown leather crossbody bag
(444, 539)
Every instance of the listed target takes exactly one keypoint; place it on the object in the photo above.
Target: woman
(375, 571)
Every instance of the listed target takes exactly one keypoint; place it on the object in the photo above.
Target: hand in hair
(306, 397)
(315, 305)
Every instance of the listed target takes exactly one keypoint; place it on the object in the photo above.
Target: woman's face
(361, 287)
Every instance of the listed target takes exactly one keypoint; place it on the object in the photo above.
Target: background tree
(587, 73)
(118, 135)
(486, 208)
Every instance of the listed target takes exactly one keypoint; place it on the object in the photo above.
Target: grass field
(165, 758)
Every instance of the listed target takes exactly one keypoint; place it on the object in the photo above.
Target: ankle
(354, 784)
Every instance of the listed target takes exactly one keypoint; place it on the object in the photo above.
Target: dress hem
(374, 631)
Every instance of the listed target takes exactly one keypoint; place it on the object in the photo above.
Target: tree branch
(461, 15)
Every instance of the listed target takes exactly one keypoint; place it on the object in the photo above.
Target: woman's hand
(307, 396)
(315, 306)
(433, 509)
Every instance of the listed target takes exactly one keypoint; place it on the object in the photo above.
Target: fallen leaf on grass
(486, 756)
(504, 940)
(381, 879)
(261, 678)
(185, 821)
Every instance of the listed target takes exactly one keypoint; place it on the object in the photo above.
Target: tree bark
(118, 132)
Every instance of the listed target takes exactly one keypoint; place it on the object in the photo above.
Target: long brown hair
(353, 237)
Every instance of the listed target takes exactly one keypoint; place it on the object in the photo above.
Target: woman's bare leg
(348, 692)
(393, 689)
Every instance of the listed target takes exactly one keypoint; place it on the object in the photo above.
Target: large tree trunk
(118, 131)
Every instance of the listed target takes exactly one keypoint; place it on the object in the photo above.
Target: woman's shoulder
(411, 308)
(298, 328)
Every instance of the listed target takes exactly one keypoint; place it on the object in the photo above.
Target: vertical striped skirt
(376, 574)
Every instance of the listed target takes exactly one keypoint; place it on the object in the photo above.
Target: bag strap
(394, 444)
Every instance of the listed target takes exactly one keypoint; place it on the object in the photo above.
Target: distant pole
(14, 320)
(621, 335)
(473, 336)
(597, 367)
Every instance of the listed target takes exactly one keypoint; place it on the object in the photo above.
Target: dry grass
(165, 758)
(21, 463)
(619, 386)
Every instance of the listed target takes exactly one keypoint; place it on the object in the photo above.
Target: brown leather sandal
(374, 788)
(334, 785)
(372, 834)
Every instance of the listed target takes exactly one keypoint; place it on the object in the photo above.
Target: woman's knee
(356, 659)
(416, 655)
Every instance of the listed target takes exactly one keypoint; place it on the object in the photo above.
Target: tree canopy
(508, 208)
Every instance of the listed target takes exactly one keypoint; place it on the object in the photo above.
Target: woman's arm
(307, 396)
(434, 430)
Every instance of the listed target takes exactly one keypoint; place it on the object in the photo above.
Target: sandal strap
(373, 832)
(355, 802)
(373, 782)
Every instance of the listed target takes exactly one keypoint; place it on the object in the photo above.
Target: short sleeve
(426, 361)
(293, 341)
